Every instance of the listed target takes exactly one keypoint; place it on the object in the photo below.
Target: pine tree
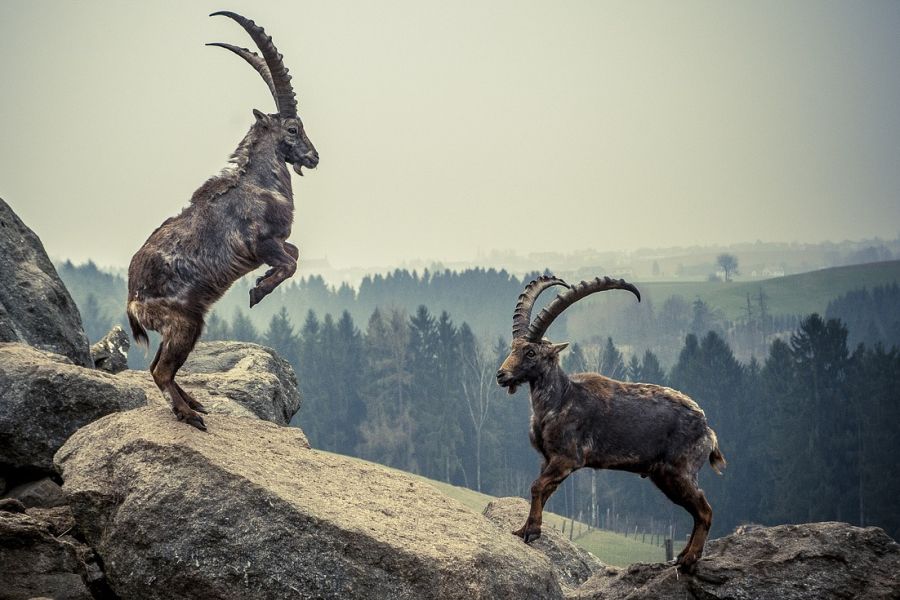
(651, 371)
(611, 362)
(217, 328)
(313, 413)
(873, 388)
(387, 435)
(821, 360)
(242, 328)
(634, 369)
(94, 323)
(281, 338)
(782, 469)
(574, 360)
(349, 406)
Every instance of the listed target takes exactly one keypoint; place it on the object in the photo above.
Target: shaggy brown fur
(236, 222)
(588, 420)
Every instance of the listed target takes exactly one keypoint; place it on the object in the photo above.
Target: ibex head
(291, 142)
(531, 355)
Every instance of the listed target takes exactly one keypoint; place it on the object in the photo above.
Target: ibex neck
(549, 390)
(257, 164)
(266, 169)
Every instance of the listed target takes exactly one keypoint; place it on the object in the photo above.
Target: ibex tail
(716, 458)
(137, 330)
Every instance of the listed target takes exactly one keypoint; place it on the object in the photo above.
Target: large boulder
(246, 510)
(573, 565)
(110, 353)
(36, 564)
(35, 306)
(233, 378)
(787, 562)
(44, 399)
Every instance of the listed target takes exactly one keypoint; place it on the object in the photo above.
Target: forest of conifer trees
(809, 428)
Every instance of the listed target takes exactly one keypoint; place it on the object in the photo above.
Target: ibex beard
(236, 222)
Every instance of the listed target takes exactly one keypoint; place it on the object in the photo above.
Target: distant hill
(804, 293)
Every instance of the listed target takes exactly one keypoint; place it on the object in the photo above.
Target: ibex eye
(292, 130)
(529, 353)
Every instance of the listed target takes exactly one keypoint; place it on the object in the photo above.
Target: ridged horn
(285, 99)
(254, 60)
(569, 297)
(522, 313)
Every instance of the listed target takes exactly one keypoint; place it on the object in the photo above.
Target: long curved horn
(255, 60)
(569, 297)
(522, 314)
(281, 80)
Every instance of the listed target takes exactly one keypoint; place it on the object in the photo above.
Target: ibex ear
(557, 348)
(261, 117)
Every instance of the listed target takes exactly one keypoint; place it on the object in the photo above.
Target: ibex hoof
(196, 421)
(687, 563)
(531, 536)
(528, 534)
(256, 295)
(197, 406)
(191, 418)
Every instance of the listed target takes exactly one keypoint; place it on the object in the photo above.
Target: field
(790, 295)
(611, 548)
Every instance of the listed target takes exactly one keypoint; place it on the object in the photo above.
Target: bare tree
(729, 264)
(479, 392)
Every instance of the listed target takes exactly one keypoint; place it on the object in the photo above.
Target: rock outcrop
(44, 399)
(110, 354)
(233, 378)
(246, 510)
(787, 562)
(573, 565)
(43, 493)
(35, 306)
(35, 564)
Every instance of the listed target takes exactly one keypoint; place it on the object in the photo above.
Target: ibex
(588, 420)
(236, 222)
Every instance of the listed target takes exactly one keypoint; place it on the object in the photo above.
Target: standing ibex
(587, 420)
(236, 222)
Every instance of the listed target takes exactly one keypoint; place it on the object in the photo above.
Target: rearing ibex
(235, 222)
(587, 420)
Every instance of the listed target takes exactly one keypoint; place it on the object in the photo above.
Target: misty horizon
(445, 129)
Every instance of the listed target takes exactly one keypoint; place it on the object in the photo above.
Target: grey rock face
(110, 354)
(233, 378)
(247, 511)
(36, 564)
(59, 519)
(44, 399)
(787, 562)
(43, 493)
(573, 565)
(35, 306)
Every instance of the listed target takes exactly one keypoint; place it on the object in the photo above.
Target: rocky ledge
(247, 510)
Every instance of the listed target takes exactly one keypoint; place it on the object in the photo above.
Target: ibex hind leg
(178, 340)
(681, 488)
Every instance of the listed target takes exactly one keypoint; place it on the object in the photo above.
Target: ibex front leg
(282, 257)
(553, 473)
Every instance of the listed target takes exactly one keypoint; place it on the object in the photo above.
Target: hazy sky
(446, 128)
